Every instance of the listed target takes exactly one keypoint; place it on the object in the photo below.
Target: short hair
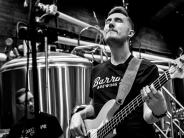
(122, 10)
(19, 93)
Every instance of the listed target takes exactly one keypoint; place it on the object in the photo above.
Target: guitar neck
(133, 105)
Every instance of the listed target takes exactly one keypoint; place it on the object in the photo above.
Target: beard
(110, 40)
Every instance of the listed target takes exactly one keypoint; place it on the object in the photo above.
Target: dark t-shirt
(48, 127)
(105, 81)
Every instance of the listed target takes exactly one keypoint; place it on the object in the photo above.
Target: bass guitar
(106, 121)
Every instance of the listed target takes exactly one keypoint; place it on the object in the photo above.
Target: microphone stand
(32, 35)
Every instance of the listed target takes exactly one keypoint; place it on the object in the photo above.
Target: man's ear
(131, 33)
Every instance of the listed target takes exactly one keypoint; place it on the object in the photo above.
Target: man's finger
(144, 94)
(154, 91)
(149, 92)
(84, 129)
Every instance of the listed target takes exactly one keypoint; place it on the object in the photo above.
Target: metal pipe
(47, 75)
(72, 20)
(173, 97)
(74, 42)
(160, 130)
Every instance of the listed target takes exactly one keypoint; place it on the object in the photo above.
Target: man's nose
(30, 103)
(111, 24)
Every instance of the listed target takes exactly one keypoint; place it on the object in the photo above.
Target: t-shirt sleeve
(150, 74)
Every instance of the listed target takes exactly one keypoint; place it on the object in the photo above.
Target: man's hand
(52, 9)
(48, 9)
(154, 99)
(77, 126)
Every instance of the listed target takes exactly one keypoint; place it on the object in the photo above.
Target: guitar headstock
(177, 68)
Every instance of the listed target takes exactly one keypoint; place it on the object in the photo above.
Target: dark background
(163, 18)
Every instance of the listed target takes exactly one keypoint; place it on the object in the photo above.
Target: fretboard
(133, 105)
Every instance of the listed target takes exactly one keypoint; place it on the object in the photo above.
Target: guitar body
(99, 127)
(105, 114)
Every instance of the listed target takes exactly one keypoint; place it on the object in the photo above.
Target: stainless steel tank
(64, 84)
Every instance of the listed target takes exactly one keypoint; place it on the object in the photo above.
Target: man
(105, 79)
(44, 126)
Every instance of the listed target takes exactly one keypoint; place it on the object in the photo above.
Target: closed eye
(107, 21)
(119, 20)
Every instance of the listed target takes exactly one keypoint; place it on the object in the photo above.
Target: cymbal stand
(160, 130)
(173, 121)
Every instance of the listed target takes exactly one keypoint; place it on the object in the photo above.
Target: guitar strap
(127, 80)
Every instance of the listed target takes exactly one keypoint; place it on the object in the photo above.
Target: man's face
(117, 27)
(30, 103)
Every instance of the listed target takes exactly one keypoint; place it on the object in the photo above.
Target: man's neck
(119, 54)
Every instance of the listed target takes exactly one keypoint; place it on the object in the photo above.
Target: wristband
(159, 116)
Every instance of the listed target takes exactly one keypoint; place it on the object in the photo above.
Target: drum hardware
(179, 113)
(177, 124)
(174, 118)
(160, 130)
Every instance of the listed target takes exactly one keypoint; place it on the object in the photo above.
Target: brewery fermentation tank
(66, 85)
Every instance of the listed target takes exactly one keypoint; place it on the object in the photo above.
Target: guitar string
(130, 108)
(161, 79)
(139, 96)
(119, 117)
(138, 99)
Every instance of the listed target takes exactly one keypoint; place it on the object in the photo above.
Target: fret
(129, 108)
(109, 126)
(133, 105)
(158, 83)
